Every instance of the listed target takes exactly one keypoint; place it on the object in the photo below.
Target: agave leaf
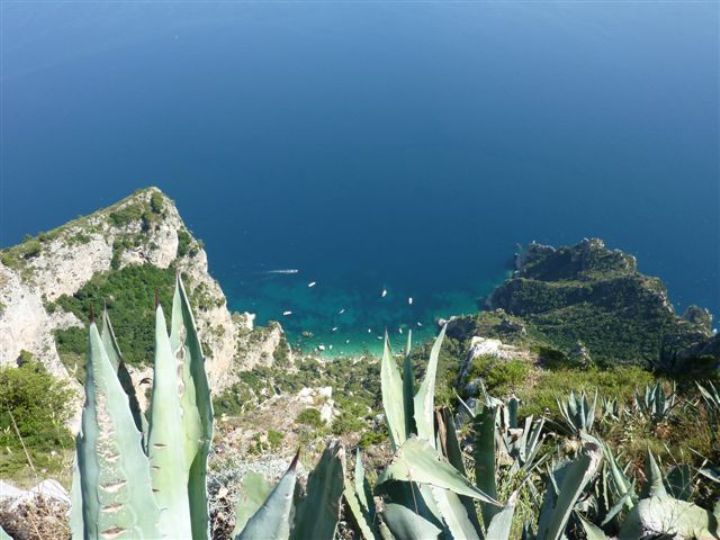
(592, 531)
(197, 410)
(407, 525)
(114, 471)
(4, 535)
(254, 492)
(454, 514)
(107, 334)
(357, 513)
(680, 482)
(666, 517)
(392, 396)
(362, 488)
(484, 454)
(417, 497)
(451, 449)
(272, 520)
(501, 524)
(417, 461)
(165, 441)
(561, 498)
(77, 527)
(622, 484)
(425, 397)
(318, 513)
(408, 388)
(654, 486)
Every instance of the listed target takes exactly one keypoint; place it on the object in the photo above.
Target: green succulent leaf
(592, 531)
(407, 525)
(255, 490)
(318, 513)
(272, 520)
(197, 410)
(565, 488)
(4, 535)
(392, 396)
(666, 517)
(417, 461)
(165, 441)
(107, 334)
(484, 453)
(408, 380)
(114, 471)
(501, 523)
(358, 514)
(424, 401)
(455, 514)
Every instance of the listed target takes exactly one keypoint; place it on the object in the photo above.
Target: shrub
(310, 417)
(156, 202)
(127, 214)
(501, 376)
(130, 297)
(184, 240)
(275, 439)
(38, 403)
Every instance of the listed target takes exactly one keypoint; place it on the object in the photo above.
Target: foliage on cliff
(34, 406)
(587, 294)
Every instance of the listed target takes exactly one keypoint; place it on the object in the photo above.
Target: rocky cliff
(591, 301)
(48, 283)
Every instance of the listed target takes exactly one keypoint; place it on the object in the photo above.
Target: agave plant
(138, 478)
(711, 396)
(657, 512)
(578, 413)
(610, 409)
(654, 403)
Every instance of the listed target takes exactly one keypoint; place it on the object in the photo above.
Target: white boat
(419, 323)
(347, 341)
(321, 347)
(384, 293)
(410, 300)
(369, 330)
(334, 329)
(287, 313)
(312, 283)
(341, 311)
(400, 330)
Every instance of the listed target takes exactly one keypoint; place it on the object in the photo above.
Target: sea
(392, 154)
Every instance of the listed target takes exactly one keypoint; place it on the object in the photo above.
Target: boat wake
(283, 271)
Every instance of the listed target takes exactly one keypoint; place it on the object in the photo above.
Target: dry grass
(40, 519)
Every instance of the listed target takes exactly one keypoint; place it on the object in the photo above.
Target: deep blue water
(406, 146)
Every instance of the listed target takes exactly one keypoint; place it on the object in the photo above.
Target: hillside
(589, 301)
(120, 256)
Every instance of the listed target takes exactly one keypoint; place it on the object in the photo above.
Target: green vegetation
(34, 406)
(310, 417)
(127, 214)
(184, 240)
(129, 295)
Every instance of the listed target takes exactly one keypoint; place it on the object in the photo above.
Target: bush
(39, 405)
(156, 202)
(127, 214)
(501, 377)
(310, 417)
(130, 297)
(184, 240)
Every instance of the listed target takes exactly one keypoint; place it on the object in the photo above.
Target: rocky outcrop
(588, 294)
(143, 229)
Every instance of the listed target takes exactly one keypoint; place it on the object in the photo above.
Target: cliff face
(588, 296)
(42, 277)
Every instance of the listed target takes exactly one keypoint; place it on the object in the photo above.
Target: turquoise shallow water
(334, 319)
(400, 145)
